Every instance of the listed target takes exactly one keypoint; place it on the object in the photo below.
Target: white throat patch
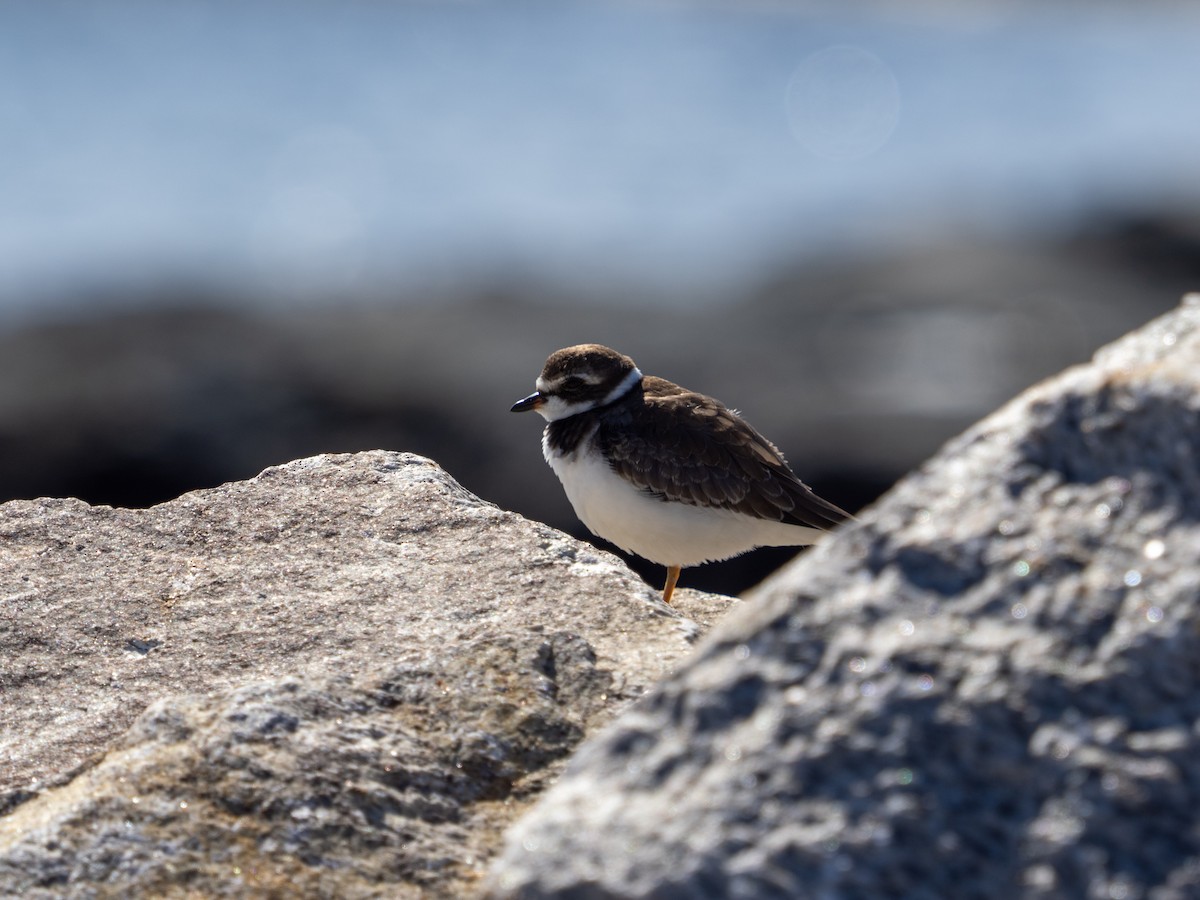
(556, 408)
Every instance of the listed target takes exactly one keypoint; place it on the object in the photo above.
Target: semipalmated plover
(665, 473)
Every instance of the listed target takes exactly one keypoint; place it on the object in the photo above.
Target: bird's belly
(668, 533)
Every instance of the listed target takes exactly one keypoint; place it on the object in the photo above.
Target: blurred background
(237, 233)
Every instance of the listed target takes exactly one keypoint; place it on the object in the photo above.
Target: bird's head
(576, 379)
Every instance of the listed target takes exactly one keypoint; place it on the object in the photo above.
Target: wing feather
(692, 449)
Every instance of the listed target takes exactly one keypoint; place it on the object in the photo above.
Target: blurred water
(294, 147)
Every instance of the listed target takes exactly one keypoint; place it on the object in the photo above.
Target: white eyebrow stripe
(626, 385)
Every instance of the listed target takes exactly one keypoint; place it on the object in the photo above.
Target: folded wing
(694, 450)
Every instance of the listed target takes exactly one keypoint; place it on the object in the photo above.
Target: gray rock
(989, 687)
(340, 678)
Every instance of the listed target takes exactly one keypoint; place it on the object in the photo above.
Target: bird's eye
(572, 383)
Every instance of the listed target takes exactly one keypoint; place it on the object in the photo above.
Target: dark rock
(987, 687)
(857, 367)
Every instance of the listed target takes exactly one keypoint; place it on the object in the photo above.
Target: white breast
(671, 534)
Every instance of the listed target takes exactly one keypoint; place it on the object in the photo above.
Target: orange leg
(669, 587)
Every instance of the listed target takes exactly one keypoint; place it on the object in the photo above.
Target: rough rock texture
(989, 687)
(340, 678)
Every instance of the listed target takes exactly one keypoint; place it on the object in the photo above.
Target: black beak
(533, 401)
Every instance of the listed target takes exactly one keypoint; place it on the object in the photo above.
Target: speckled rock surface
(340, 678)
(989, 687)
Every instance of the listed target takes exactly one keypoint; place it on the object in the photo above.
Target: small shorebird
(663, 472)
